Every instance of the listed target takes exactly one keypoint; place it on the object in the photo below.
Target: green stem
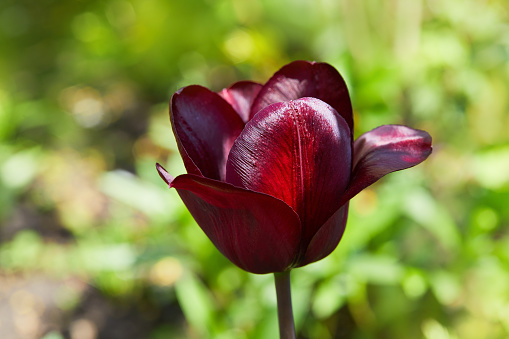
(284, 305)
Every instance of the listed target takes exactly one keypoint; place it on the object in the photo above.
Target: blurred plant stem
(284, 305)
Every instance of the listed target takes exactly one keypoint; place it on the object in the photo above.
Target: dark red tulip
(271, 167)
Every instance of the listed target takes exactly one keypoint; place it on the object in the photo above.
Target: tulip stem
(284, 305)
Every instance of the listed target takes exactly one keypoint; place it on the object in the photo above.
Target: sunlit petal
(298, 152)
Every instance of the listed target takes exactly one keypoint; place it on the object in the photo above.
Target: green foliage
(84, 90)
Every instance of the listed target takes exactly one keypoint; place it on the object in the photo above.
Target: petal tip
(164, 174)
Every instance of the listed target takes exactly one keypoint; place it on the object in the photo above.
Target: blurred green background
(94, 245)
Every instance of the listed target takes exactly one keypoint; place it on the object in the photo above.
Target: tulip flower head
(271, 168)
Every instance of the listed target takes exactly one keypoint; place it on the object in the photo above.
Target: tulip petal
(205, 127)
(299, 152)
(240, 96)
(257, 232)
(327, 238)
(383, 150)
(306, 79)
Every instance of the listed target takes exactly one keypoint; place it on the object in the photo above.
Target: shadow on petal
(205, 127)
(327, 238)
(240, 96)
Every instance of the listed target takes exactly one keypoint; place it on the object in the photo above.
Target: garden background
(94, 245)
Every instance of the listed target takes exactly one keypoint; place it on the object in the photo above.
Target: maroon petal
(257, 232)
(240, 96)
(306, 79)
(383, 150)
(299, 152)
(205, 127)
(327, 238)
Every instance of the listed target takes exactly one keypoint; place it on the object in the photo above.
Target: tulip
(271, 167)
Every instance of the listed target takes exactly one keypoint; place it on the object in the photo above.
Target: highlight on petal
(299, 152)
(327, 238)
(386, 149)
(205, 127)
(240, 96)
(306, 79)
(257, 232)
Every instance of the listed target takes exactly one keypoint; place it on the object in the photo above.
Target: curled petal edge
(384, 150)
